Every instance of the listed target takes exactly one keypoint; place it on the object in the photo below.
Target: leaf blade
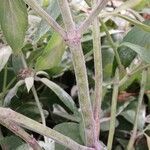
(52, 54)
(143, 52)
(14, 21)
(64, 96)
(5, 53)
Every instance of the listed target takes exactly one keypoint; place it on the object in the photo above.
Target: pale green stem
(114, 47)
(40, 109)
(135, 22)
(74, 42)
(36, 98)
(5, 78)
(140, 99)
(113, 111)
(98, 73)
(94, 13)
(41, 12)
(8, 116)
(10, 83)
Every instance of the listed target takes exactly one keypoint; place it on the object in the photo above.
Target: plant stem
(40, 109)
(140, 99)
(36, 99)
(98, 73)
(9, 116)
(20, 132)
(74, 42)
(113, 111)
(37, 8)
(114, 47)
(96, 10)
(135, 22)
(5, 78)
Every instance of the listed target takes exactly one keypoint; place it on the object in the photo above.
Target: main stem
(14, 121)
(73, 40)
(98, 73)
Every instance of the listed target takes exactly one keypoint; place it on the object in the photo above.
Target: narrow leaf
(143, 52)
(52, 54)
(12, 92)
(13, 20)
(64, 96)
(5, 53)
(29, 83)
(135, 36)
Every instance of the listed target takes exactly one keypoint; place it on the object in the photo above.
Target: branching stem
(94, 13)
(36, 7)
(74, 42)
(9, 117)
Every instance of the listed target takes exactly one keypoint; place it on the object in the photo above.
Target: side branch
(84, 26)
(8, 117)
(37, 8)
(20, 132)
(74, 42)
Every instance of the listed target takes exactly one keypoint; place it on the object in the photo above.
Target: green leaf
(52, 54)
(143, 52)
(135, 36)
(5, 53)
(14, 22)
(24, 147)
(106, 125)
(69, 129)
(12, 142)
(12, 92)
(30, 110)
(43, 28)
(64, 96)
(17, 62)
(129, 114)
